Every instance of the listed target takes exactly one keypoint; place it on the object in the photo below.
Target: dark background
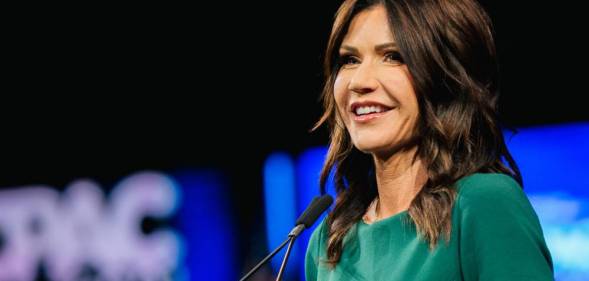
(101, 92)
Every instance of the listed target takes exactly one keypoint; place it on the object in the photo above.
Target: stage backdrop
(553, 161)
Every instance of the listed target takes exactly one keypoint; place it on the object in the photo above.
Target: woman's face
(373, 90)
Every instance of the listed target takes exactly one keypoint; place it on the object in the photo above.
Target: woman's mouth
(365, 113)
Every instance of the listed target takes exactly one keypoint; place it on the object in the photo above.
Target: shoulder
(485, 182)
(493, 199)
(492, 188)
(495, 219)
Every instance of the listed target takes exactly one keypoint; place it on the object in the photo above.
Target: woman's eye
(393, 57)
(347, 60)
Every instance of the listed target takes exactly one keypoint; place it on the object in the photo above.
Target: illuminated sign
(80, 235)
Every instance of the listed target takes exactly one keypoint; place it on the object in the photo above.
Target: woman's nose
(363, 81)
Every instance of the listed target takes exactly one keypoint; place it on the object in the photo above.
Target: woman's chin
(370, 147)
(381, 149)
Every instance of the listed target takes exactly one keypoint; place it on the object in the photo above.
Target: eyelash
(347, 59)
(395, 56)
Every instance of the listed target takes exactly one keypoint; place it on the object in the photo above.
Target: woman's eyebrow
(349, 48)
(377, 48)
(381, 47)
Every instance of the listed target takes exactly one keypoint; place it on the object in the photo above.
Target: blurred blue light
(553, 158)
(279, 198)
(204, 220)
(309, 166)
(553, 162)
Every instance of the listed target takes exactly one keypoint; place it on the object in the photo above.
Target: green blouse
(495, 235)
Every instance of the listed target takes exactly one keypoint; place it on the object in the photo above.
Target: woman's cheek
(339, 91)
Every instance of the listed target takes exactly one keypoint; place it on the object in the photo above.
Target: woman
(427, 189)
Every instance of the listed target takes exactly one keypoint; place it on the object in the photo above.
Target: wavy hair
(449, 50)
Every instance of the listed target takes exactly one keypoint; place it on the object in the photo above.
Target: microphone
(317, 206)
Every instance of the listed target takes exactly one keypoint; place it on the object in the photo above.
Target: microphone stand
(265, 259)
(291, 236)
(283, 265)
(318, 205)
(290, 240)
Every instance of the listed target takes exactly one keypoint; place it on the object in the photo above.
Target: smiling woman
(373, 90)
(426, 187)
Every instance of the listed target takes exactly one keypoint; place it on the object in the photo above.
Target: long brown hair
(449, 50)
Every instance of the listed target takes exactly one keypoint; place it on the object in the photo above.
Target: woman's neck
(399, 178)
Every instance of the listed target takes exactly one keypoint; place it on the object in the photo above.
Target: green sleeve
(500, 234)
(312, 256)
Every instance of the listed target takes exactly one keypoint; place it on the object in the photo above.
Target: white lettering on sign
(78, 232)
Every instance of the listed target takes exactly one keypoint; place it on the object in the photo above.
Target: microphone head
(317, 206)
